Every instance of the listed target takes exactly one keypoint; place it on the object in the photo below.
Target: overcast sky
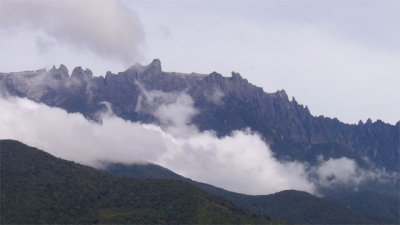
(341, 58)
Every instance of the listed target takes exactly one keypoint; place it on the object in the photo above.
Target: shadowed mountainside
(225, 104)
(374, 205)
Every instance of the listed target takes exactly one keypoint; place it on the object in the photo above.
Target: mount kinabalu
(225, 104)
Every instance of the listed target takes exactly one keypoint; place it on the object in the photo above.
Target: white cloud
(71, 136)
(215, 96)
(338, 171)
(240, 162)
(173, 110)
(345, 172)
(170, 108)
(107, 28)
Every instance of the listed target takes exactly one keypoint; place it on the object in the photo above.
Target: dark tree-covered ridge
(38, 188)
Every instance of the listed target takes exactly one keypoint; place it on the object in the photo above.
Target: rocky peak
(282, 94)
(81, 74)
(236, 76)
(214, 77)
(60, 73)
(307, 110)
(63, 68)
(89, 72)
(109, 74)
(155, 65)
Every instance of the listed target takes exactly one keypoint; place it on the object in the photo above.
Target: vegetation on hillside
(292, 206)
(37, 188)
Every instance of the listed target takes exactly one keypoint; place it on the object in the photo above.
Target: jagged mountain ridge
(287, 126)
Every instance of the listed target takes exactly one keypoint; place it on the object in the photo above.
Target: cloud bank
(344, 172)
(107, 28)
(241, 162)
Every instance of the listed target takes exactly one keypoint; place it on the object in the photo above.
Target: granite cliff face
(224, 103)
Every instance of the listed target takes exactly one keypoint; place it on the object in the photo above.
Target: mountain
(290, 205)
(225, 104)
(301, 207)
(38, 188)
(376, 206)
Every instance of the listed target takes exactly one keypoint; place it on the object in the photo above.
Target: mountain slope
(225, 103)
(37, 188)
(375, 206)
(292, 206)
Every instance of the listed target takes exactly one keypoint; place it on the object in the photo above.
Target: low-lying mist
(241, 162)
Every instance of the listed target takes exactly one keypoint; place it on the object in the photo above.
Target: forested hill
(289, 205)
(37, 188)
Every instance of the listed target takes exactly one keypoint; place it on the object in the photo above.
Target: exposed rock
(80, 74)
(287, 126)
(63, 69)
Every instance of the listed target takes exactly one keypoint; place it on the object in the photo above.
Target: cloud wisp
(344, 172)
(241, 162)
(107, 28)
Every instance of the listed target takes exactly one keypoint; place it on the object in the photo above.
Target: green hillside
(292, 206)
(301, 207)
(37, 188)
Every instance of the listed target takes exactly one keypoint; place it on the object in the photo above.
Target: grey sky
(341, 58)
